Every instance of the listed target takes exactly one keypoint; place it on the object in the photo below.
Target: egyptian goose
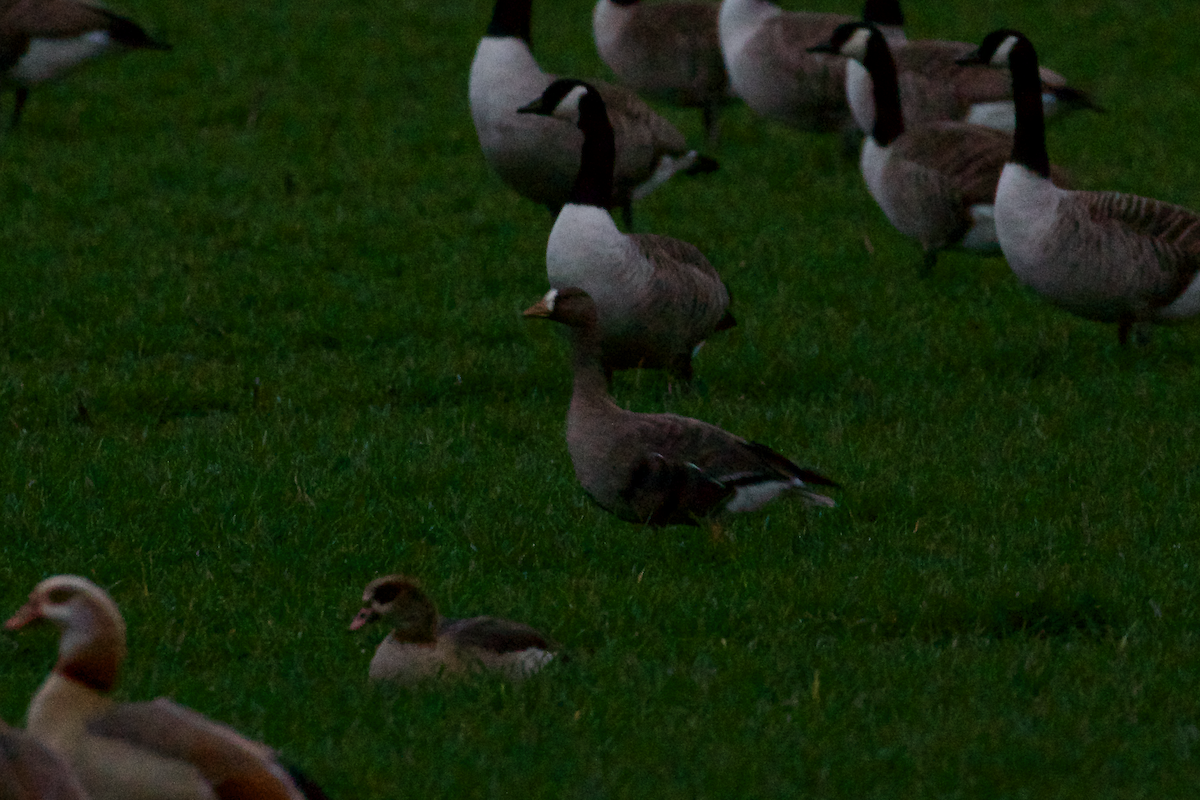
(539, 157)
(936, 182)
(424, 645)
(43, 39)
(29, 771)
(659, 298)
(766, 51)
(667, 51)
(1104, 256)
(122, 751)
(660, 469)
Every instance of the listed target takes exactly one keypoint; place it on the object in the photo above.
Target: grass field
(260, 342)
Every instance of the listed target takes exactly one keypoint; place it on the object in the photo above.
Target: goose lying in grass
(29, 771)
(121, 751)
(421, 644)
(660, 469)
(935, 182)
(40, 40)
(1104, 256)
(667, 51)
(658, 298)
(539, 157)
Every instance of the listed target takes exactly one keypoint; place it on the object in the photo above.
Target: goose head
(567, 99)
(996, 48)
(883, 12)
(850, 39)
(571, 306)
(92, 644)
(403, 604)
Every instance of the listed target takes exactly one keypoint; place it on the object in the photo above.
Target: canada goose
(424, 645)
(934, 86)
(1104, 256)
(121, 751)
(766, 51)
(43, 39)
(29, 771)
(540, 157)
(658, 297)
(659, 469)
(668, 51)
(936, 183)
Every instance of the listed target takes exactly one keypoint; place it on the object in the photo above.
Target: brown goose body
(660, 469)
(30, 771)
(134, 751)
(422, 645)
(40, 40)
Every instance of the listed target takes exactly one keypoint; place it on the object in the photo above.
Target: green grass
(260, 342)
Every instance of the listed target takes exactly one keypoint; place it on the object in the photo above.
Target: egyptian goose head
(399, 601)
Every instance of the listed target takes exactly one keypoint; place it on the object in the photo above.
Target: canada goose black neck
(889, 121)
(594, 183)
(625, 2)
(510, 18)
(883, 12)
(1029, 138)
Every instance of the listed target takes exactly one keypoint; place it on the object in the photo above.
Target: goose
(936, 183)
(425, 645)
(29, 771)
(667, 51)
(660, 469)
(540, 157)
(121, 751)
(1103, 256)
(41, 40)
(766, 51)
(934, 86)
(658, 298)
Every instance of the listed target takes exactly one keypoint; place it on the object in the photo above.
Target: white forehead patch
(856, 46)
(568, 107)
(1000, 59)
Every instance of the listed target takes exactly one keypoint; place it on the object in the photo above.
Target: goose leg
(712, 125)
(22, 94)
(928, 262)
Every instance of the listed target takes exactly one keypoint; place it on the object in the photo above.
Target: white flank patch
(756, 495)
(1000, 115)
(981, 238)
(49, 58)
(738, 22)
(530, 661)
(667, 166)
(1186, 305)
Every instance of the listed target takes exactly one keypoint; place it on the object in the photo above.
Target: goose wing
(494, 635)
(636, 125)
(236, 767)
(28, 771)
(969, 157)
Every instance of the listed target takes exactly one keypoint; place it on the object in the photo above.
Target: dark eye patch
(60, 595)
(386, 593)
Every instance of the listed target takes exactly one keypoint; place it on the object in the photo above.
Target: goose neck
(1029, 137)
(590, 385)
(594, 183)
(885, 90)
(511, 18)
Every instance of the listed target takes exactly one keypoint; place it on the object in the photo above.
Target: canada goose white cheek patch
(1000, 59)
(981, 238)
(856, 46)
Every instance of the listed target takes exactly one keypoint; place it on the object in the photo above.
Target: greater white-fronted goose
(660, 469)
(766, 51)
(1104, 256)
(29, 771)
(658, 297)
(424, 645)
(935, 182)
(121, 751)
(668, 51)
(934, 86)
(41, 40)
(539, 157)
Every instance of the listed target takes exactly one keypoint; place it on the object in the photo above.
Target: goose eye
(60, 595)
(386, 593)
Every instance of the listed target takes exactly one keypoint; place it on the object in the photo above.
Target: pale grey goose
(667, 51)
(660, 469)
(423, 645)
(1104, 256)
(658, 298)
(30, 771)
(936, 183)
(40, 40)
(134, 750)
(766, 51)
(539, 157)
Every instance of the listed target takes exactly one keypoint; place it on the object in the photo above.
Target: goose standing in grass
(422, 644)
(29, 771)
(41, 40)
(658, 297)
(934, 86)
(660, 469)
(766, 51)
(668, 51)
(538, 157)
(1104, 256)
(936, 183)
(121, 751)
